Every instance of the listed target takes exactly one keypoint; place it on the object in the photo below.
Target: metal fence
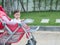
(31, 5)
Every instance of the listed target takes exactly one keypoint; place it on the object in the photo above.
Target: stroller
(13, 33)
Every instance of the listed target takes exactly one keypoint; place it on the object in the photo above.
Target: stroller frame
(12, 33)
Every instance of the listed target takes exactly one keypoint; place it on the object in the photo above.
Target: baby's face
(17, 15)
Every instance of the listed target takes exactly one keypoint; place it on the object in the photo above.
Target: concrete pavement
(43, 38)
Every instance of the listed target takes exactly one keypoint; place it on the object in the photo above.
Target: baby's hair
(16, 11)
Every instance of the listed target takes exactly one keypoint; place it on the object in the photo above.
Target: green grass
(37, 16)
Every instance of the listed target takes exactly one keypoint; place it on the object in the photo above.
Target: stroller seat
(13, 36)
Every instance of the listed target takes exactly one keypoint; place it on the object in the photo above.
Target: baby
(18, 20)
(15, 20)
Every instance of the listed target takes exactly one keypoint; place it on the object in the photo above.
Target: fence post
(34, 5)
(27, 6)
(51, 1)
(56, 4)
(39, 4)
(4, 3)
(45, 4)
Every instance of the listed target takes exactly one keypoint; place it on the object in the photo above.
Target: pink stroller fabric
(17, 36)
(1, 26)
(2, 12)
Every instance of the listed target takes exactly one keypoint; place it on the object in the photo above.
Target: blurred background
(34, 9)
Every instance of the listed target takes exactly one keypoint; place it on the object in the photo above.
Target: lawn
(37, 16)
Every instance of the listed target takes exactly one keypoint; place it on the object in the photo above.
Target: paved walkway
(43, 38)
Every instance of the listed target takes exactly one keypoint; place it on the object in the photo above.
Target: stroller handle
(33, 30)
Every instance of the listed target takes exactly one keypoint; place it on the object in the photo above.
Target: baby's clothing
(12, 21)
(15, 20)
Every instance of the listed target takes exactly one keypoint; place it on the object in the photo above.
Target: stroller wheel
(8, 44)
(31, 42)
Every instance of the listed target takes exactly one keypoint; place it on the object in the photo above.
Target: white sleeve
(7, 21)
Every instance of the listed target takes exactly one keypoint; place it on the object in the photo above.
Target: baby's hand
(27, 27)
